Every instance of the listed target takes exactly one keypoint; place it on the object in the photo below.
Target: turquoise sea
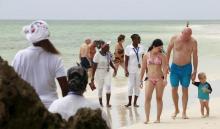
(67, 37)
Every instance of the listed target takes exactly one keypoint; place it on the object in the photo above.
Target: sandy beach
(130, 118)
(68, 40)
(195, 121)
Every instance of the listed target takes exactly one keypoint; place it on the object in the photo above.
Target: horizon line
(50, 19)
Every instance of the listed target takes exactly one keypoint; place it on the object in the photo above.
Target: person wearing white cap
(40, 63)
(101, 72)
(133, 59)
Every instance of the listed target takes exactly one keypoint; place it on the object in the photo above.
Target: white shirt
(69, 105)
(103, 61)
(40, 68)
(133, 61)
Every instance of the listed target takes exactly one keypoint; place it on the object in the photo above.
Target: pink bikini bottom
(154, 80)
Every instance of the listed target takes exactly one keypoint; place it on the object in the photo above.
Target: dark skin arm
(126, 65)
(63, 85)
(94, 67)
(112, 65)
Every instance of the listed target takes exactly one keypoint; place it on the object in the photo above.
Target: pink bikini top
(157, 60)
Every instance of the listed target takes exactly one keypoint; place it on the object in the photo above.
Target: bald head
(187, 30)
(186, 33)
(88, 40)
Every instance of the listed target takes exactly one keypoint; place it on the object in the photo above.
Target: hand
(126, 73)
(92, 85)
(193, 76)
(164, 82)
(92, 80)
(141, 84)
(115, 73)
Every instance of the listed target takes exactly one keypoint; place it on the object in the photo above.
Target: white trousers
(134, 84)
(103, 79)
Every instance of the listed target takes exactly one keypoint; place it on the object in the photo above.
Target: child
(204, 89)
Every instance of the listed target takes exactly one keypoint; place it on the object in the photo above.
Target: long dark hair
(155, 43)
(47, 46)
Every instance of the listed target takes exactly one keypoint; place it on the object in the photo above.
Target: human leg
(174, 80)
(130, 88)
(159, 95)
(107, 84)
(202, 107)
(149, 88)
(175, 97)
(184, 102)
(100, 84)
(207, 108)
(136, 89)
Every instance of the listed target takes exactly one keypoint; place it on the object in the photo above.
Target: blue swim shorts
(180, 74)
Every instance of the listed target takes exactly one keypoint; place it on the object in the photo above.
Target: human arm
(196, 83)
(63, 85)
(94, 67)
(169, 48)
(126, 65)
(195, 60)
(164, 68)
(143, 69)
(112, 65)
(209, 88)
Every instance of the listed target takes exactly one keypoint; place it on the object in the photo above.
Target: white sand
(195, 121)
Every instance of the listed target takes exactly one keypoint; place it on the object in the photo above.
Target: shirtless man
(91, 54)
(92, 50)
(83, 54)
(184, 50)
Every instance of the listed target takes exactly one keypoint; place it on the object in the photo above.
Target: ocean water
(67, 36)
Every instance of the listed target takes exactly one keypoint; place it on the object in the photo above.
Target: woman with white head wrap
(40, 63)
(101, 73)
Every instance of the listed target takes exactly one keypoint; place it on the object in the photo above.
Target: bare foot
(146, 122)
(175, 114)
(203, 116)
(184, 116)
(207, 115)
(109, 105)
(157, 121)
(127, 105)
(135, 105)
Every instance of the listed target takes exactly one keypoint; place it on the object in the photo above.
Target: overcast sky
(110, 9)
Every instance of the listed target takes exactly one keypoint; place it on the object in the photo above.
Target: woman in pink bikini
(155, 64)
